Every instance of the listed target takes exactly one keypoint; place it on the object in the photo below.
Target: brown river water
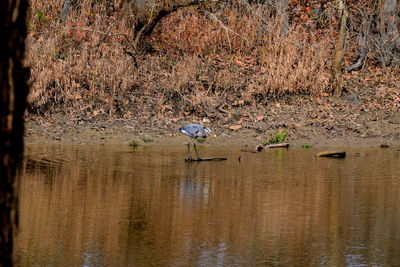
(115, 206)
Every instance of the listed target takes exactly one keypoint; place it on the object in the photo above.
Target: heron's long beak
(213, 135)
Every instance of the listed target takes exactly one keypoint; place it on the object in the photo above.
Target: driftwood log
(261, 147)
(332, 154)
(281, 145)
(205, 159)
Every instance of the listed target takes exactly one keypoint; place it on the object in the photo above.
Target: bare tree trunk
(339, 49)
(281, 7)
(388, 21)
(13, 91)
(388, 27)
(65, 11)
(363, 36)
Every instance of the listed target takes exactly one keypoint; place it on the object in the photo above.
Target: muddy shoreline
(327, 122)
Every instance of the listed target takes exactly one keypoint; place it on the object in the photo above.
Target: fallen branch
(104, 39)
(214, 18)
(222, 110)
(360, 61)
(286, 145)
(145, 29)
(261, 147)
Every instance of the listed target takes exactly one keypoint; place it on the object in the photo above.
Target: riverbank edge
(121, 133)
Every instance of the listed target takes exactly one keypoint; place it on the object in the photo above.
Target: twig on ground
(213, 17)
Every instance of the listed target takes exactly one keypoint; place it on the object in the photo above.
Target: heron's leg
(195, 149)
(190, 154)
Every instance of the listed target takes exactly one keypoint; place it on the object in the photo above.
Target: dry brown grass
(204, 62)
(294, 63)
(74, 65)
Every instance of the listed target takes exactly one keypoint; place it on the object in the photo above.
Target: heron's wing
(194, 130)
(201, 129)
(189, 130)
(185, 131)
(194, 126)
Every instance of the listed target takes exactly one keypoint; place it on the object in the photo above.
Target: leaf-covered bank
(233, 65)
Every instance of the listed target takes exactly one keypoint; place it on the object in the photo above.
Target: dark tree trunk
(13, 91)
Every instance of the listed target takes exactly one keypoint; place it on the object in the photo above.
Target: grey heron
(194, 131)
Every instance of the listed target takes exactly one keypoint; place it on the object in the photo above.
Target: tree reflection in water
(109, 206)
